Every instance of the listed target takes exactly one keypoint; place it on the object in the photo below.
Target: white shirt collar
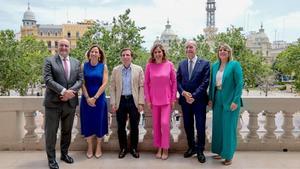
(194, 59)
(62, 58)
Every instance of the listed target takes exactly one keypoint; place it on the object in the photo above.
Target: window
(77, 35)
(56, 44)
(48, 33)
(69, 34)
(41, 33)
(49, 44)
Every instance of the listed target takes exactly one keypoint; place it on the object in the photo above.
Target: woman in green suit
(225, 99)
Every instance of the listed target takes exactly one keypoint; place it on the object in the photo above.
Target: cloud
(187, 17)
(285, 26)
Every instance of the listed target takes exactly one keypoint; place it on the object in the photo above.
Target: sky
(280, 18)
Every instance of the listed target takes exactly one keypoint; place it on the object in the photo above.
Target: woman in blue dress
(93, 108)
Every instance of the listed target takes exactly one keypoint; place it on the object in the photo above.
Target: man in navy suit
(192, 82)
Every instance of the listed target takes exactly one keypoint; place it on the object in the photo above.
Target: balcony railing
(266, 123)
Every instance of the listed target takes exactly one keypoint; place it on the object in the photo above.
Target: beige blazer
(137, 85)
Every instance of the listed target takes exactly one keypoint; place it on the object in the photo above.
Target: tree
(176, 52)
(288, 62)
(254, 66)
(20, 62)
(8, 56)
(256, 71)
(31, 54)
(122, 32)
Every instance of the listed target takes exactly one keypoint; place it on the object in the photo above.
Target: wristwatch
(95, 97)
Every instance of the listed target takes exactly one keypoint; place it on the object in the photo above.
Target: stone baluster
(42, 139)
(174, 126)
(252, 136)
(270, 127)
(79, 140)
(30, 126)
(142, 130)
(148, 136)
(238, 130)
(182, 141)
(113, 127)
(109, 122)
(287, 127)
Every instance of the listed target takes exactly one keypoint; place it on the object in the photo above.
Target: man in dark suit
(63, 79)
(192, 82)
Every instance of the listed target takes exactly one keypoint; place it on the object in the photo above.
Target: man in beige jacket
(127, 97)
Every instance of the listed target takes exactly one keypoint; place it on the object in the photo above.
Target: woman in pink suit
(160, 93)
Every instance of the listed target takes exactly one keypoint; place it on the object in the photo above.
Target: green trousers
(224, 141)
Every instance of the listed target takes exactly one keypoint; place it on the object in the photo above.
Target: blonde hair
(227, 48)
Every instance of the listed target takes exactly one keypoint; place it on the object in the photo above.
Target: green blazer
(232, 84)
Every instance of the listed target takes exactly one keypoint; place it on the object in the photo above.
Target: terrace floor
(109, 160)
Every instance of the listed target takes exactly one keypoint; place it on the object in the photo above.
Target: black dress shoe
(189, 153)
(66, 158)
(53, 164)
(201, 157)
(122, 153)
(134, 153)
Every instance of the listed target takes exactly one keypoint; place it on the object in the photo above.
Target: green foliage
(288, 62)
(20, 62)
(255, 69)
(30, 63)
(122, 32)
(8, 57)
(176, 53)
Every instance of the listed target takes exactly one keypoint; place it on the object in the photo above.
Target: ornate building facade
(50, 33)
(258, 42)
(167, 36)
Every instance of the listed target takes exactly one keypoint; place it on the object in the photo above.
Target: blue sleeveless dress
(93, 119)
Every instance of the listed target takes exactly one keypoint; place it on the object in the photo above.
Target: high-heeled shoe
(98, 155)
(89, 156)
(159, 153)
(217, 157)
(98, 152)
(227, 162)
(165, 155)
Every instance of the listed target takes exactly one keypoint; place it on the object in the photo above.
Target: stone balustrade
(266, 123)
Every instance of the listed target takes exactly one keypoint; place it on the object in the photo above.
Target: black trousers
(127, 107)
(53, 116)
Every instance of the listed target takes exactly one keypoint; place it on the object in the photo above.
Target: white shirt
(194, 63)
(219, 78)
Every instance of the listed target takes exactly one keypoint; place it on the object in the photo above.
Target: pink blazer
(160, 83)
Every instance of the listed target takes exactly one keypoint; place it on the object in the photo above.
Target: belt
(126, 96)
(218, 87)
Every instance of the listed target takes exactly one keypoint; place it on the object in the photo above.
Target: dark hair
(102, 55)
(155, 46)
(124, 49)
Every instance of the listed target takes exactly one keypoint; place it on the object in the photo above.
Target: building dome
(28, 15)
(168, 32)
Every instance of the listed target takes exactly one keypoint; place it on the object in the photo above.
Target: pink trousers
(161, 125)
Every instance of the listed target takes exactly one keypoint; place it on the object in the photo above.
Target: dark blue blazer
(198, 83)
